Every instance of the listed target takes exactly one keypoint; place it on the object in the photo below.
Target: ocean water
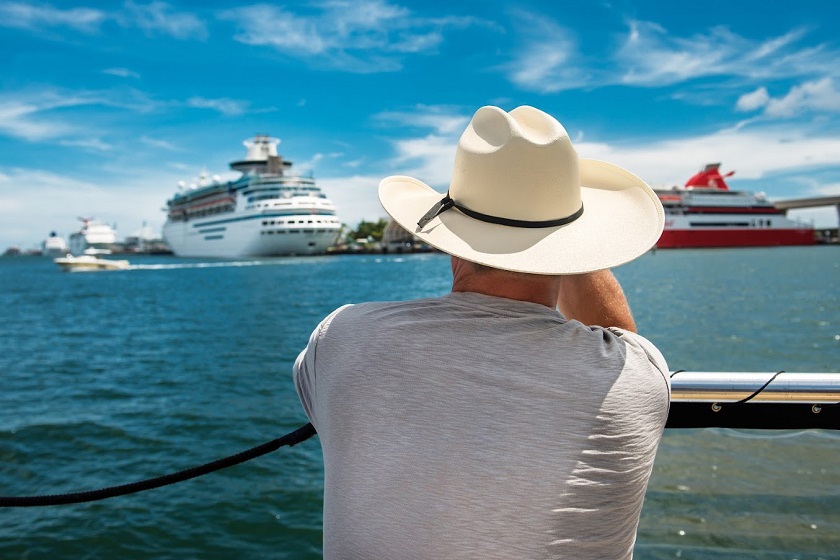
(114, 377)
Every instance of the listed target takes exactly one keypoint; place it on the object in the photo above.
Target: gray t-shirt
(471, 426)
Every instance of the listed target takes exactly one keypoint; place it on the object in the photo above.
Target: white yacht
(267, 211)
(89, 263)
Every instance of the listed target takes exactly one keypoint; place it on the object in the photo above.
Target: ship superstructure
(267, 211)
(94, 238)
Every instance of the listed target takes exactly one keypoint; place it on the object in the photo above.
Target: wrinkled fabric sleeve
(652, 352)
(304, 372)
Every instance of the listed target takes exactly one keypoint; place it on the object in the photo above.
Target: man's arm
(595, 298)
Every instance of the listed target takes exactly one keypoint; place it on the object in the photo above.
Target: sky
(106, 106)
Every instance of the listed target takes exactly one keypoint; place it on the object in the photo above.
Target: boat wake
(200, 265)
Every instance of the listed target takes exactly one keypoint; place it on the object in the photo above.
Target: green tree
(370, 230)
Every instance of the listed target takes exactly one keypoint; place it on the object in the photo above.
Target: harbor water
(113, 377)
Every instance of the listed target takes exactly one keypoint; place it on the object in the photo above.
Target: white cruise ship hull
(242, 236)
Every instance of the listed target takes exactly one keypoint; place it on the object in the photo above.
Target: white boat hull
(89, 263)
(255, 235)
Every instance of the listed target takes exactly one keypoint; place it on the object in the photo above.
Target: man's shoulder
(642, 345)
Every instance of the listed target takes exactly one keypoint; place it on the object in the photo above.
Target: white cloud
(441, 119)
(121, 72)
(819, 96)
(60, 199)
(158, 143)
(354, 36)
(159, 17)
(20, 119)
(42, 16)
(223, 105)
(548, 59)
(88, 144)
(753, 100)
(652, 57)
(29, 114)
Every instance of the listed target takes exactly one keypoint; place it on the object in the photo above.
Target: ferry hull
(707, 238)
(243, 238)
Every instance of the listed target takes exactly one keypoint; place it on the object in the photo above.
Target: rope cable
(293, 438)
(760, 389)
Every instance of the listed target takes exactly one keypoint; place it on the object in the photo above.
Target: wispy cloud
(31, 115)
(549, 57)
(160, 18)
(91, 144)
(28, 116)
(36, 17)
(650, 56)
(366, 36)
(155, 18)
(158, 143)
(20, 119)
(441, 119)
(223, 105)
(121, 72)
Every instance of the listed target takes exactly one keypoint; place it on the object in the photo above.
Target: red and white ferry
(705, 213)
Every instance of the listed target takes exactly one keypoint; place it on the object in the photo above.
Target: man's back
(472, 426)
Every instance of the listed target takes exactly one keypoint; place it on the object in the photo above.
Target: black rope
(760, 389)
(293, 438)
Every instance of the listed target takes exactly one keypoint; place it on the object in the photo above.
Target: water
(113, 377)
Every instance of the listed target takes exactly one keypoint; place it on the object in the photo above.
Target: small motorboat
(89, 263)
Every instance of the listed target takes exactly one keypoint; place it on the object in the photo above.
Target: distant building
(396, 239)
(145, 240)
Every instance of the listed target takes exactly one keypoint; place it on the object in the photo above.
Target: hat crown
(519, 165)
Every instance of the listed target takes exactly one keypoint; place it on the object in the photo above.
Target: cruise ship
(54, 246)
(267, 211)
(94, 238)
(706, 213)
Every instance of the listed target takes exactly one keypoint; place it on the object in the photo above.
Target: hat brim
(622, 219)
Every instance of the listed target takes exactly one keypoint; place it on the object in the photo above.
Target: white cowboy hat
(520, 199)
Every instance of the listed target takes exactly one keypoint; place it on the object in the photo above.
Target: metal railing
(758, 400)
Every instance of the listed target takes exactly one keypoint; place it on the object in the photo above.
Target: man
(483, 423)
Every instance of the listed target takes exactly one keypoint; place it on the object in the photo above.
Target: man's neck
(501, 283)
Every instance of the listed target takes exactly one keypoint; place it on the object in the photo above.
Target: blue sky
(105, 106)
